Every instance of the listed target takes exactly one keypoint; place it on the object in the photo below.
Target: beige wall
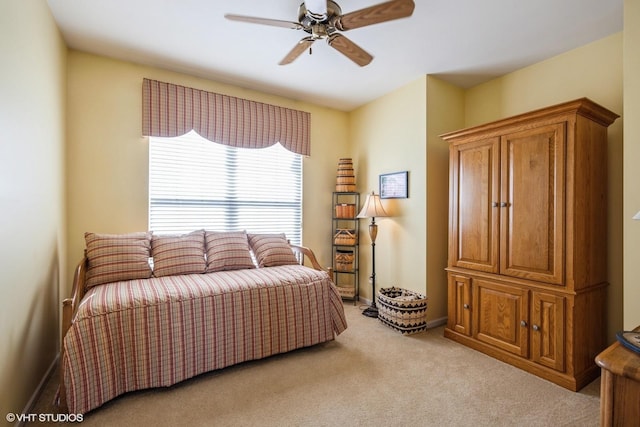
(445, 113)
(32, 203)
(593, 71)
(631, 192)
(107, 181)
(388, 135)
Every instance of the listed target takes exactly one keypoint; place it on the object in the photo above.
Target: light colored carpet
(370, 375)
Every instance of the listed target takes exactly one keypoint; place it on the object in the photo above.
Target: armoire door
(532, 195)
(547, 324)
(501, 316)
(473, 217)
(459, 293)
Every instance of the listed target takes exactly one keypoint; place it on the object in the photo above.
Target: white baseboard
(364, 301)
(436, 322)
(38, 391)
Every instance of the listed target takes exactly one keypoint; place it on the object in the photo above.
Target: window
(195, 184)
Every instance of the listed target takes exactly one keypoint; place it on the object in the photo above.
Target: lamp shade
(372, 207)
(637, 216)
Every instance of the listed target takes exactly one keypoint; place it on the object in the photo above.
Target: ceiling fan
(323, 19)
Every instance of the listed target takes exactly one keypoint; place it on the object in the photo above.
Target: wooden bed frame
(70, 306)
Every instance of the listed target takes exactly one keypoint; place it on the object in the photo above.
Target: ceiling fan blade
(297, 50)
(382, 12)
(349, 49)
(316, 7)
(264, 21)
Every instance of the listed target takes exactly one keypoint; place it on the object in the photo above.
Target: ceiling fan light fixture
(317, 8)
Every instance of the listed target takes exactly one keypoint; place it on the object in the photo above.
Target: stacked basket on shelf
(346, 179)
(344, 260)
(345, 237)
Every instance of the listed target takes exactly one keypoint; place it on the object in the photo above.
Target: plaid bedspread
(156, 332)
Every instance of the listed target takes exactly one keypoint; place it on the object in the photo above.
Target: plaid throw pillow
(228, 251)
(115, 257)
(271, 250)
(178, 254)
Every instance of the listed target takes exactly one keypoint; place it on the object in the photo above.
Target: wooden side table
(619, 386)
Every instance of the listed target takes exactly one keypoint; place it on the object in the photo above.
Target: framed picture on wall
(394, 185)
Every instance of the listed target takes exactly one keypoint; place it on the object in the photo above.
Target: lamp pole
(372, 310)
(372, 208)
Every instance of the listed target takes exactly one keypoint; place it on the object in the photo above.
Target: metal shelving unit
(345, 243)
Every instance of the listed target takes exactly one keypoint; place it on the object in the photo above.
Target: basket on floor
(402, 310)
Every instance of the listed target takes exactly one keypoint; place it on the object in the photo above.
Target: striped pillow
(228, 251)
(115, 257)
(178, 254)
(271, 250)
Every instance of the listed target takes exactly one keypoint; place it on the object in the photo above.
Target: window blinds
(196, 184)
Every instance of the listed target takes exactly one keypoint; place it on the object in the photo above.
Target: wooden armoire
(527, 264)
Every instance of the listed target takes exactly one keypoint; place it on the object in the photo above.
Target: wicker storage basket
(345, 210)
(347, 291)
(345, 166)
(345, 188)
(344, 260)
(346, 179)
(402, 310)
(345, 237)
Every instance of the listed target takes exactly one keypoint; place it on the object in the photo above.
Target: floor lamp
(372, 208)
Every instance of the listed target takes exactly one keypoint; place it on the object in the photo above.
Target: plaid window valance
(170, 110)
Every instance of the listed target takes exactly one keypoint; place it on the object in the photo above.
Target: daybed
(150, 311)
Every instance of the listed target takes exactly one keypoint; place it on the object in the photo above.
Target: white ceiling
(462, 41)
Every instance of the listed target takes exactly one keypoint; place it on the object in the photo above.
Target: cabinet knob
(536, 327)
(495, 204)
(523, 323)
(465, 306)
(504, 204)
